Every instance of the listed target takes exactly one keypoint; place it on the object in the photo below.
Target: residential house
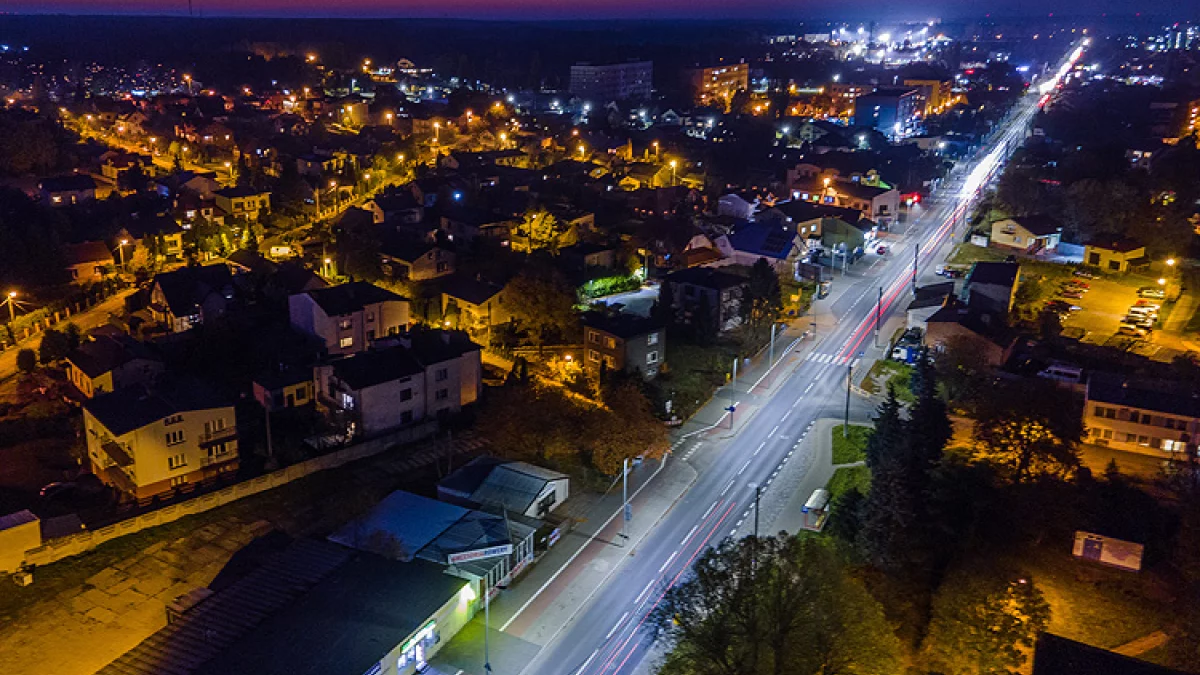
(159, 234)
(107, 363)
(466, 224)
(880, 204)
(243, 202)
(991, 288)
(779, 245)
(1115, 255)
(514, 487)
(473, 304)
(148, 442)
(1029, 234)
(88, 261)
(1146, 418)
(190, 296)
(717, 291)
(116, 166)
(403, 259)
(67, 190)
(648, 175)
(738, 205)
(584, 256)
(349, 317)
(420, 376)
(543, 230)
(623, 343)
(285, 388)
(398, 206)
(927, 301)
(956, 326)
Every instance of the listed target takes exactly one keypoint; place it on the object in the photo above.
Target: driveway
(638, 302)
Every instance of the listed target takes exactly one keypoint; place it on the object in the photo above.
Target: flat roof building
(600, 84)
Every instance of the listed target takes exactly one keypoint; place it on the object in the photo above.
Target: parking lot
(1104, 305)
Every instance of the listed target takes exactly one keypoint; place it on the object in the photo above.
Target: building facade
(600, 84)
(1139, 418)
(625, 343)
(715, 86)
(891, 111)
(145, 444)
(349, 317)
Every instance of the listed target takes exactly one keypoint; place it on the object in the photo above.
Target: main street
(609, 634)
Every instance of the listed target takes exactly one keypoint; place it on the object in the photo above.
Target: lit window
(346, 342)
(652, 357)
(652, 339)
(176, 461)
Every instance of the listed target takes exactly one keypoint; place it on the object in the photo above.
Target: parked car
(1151, 292)
(1147, 303)
(1074, 295)
(57, 489)
(1084, 274)
(1135, 331)
(1140, 321)
(882, 250)
(1143, 311)
(1062, 306)
(1077, 283)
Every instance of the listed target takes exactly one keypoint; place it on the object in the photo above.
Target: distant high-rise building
(718, 84)
(612, 82)
(891, 110)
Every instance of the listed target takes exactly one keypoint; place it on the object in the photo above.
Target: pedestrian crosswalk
(827, 358)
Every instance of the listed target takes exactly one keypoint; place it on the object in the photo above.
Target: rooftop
(350, 297)
(624, 326)
(998, 273)
(766, 239)
(128, 409)
(187, 287)
(706, 277)
(1123, 245)
(104, 353)
(374, 367)
(1038, 225)
(1146, 396)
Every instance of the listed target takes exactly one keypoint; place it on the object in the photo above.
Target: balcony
(116, 453)
(207, 461)
(218, 436)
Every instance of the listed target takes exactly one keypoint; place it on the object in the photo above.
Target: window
(370, 317)
(175, 437)
(173, 419)
(1108, 434)
(593, 355)
(1131, 438)
(652, 339)
(1169, 423)
(406, 394)
(593, 337)
(442, 395)
(441, 375)
(347, 401)
(176, 461)
(178, 480)
(610, 343)
(651, 357)
(346, 342)
(1174, 446)
(345, 324)
(218, 450)
(1145, 418)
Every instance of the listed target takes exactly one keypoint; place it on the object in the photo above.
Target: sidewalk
(535, 609)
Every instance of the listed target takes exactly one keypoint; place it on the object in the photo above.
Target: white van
(1143, 311)
(1062, 372)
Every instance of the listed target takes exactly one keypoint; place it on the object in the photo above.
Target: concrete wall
(23, 532)
(12, 555)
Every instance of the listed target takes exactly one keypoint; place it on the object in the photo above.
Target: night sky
(552, 9)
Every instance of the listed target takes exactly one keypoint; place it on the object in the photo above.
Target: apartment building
(147, 442)
(1140, 418)
(623, 342)
(349, 317)
(601, 83)
(402, 382)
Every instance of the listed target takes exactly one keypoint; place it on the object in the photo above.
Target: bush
(26, 360)
(598, 288)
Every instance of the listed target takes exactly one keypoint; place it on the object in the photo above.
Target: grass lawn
(965, 254)
(851, 447)
(887, 371)
(846, 478)
(692, 374)
(1094, 604)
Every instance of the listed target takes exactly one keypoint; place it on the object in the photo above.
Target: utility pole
(916, 258)
(625, 511)
(487, 623)
(771, 351)
(757, 494)
(733, 382)
(849, 375)
(270, 451)
(878, 316)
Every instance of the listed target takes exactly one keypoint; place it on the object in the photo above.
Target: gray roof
(124, 410)
(514, 486)
(104, 353)
(350, 297)
(207, 631)
(346, 624)
(1159, 397)
(998, 273)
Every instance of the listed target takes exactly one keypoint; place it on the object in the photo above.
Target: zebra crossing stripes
(827, 358)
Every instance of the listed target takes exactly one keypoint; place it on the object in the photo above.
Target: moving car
(881, 250)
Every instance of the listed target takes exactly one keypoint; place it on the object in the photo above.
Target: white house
(349, 317)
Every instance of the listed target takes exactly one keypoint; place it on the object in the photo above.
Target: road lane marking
(743, 469)
(809, 387)
(649, 585)
(616, 626)
(787, 414)
(727, 486)
(585, 663)
(773, 431)
(669, 561)
(759, 448)
(710, 510)
(695, 527)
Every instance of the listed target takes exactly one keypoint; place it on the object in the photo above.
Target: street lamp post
(11, 301)
(674, 179)
(121, 252)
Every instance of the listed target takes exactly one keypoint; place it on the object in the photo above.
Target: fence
(56, 549)
(45, 318)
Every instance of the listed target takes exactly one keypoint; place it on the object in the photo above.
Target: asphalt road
(610, 635)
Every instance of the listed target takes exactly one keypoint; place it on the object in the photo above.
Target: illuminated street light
(1162, 282)
(1170, 262)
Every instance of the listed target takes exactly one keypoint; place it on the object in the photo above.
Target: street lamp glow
(333, 183)
(1170, 262)
(12, 294)
(1162, 282)
(124, 242)
(328, 261)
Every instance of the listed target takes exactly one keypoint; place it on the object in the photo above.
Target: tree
(1030, 427)
(54, 346)
(27, 360)
(769, 606)
(542, 230)
(358, 245)
(984, 621)
(762, 304)
(74, 336)
(627, 429)
(542, 302)
(705, 321)
(664, 307)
